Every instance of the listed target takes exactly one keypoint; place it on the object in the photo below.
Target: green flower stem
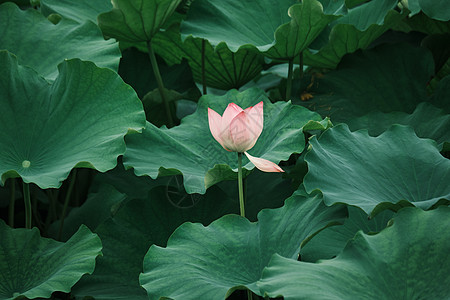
(162, 90)
(12, 201)
(241, 202)
(240, 184)
(203, 67)
(66, 202)
(289, 79)
(27, 201)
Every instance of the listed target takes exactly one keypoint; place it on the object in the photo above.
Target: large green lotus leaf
(329, 242)
(335, 7)
(374, 173)
(360, 17)
(346, 38)
(33, 266)
(435, 9)
(367, 14)
(408, 260)
(223, 69)
(427, 121)
(231, 252)
(363, 82)
(140, 223)
(163, 209)
(239, 24)
(422, 23)
(136, 20)
(438, 10)
(78, 121)
(307, 22)
(191, 150)
(40, 44)
(79, 11)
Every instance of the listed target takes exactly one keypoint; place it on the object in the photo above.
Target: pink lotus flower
(238, 130)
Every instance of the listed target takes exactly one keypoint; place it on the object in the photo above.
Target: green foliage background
(131, 196)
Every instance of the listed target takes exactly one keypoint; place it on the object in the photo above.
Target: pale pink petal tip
(230, 113)
(263, 164)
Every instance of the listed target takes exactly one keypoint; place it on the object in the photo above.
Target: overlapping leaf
(223, 69)
(231, 253)
(374, 173)
(80, 10)
(364, 81)
(191, 150)
(140, 223)
(361, 92)
(99, 207)
(42, 45)
(239, 24)
(329, 242)
(79, 120)
(439, 10)
(408, 260)
(150, 215)
(427, 121)
(32, 266)
(136, 20)
(364, 15)
(307, 22)
(422, 23)
(357, 29)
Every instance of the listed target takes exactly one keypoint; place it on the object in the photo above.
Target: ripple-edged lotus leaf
(77, 121)
(191, 150)
(42, 45)
(407, 260)
(80, 10)
(136, 20)
(288, 27)
(33, 266)
(392, 170)
(232, 252)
